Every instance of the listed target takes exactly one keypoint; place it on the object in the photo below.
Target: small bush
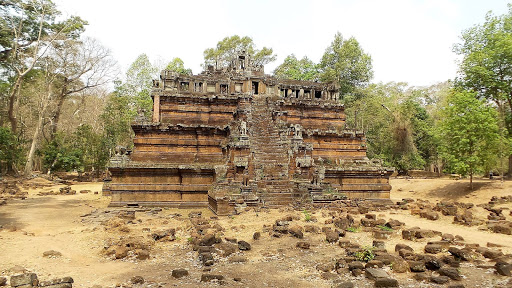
(385, 228)
(366, 255)
(354, 229)
(307, 215)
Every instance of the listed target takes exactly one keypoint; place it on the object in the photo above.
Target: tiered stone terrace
(236, 136)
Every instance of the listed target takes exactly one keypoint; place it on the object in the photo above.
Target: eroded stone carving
(197, 151)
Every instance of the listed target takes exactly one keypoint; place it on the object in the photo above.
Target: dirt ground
(74, 225)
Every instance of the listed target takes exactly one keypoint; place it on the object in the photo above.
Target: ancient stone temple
(235, 136)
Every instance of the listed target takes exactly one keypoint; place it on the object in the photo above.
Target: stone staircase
(271, 158)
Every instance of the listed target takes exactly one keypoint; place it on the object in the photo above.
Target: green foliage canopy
(177, 65)
(396, 124)
(469, 134)
(229, 48)
(293, 68)
(346, 63)
(486, 66)
(11, 152)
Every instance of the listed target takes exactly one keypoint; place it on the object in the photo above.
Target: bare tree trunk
(509, 166)
(37, 134)
(471, 179)
(56, 117)
(35, 140)
(12, 100)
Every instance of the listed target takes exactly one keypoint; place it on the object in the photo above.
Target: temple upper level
(239, 77)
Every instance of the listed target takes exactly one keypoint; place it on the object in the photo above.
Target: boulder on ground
(29, 279)
(179, 273)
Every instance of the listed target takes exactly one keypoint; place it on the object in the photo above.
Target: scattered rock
(296, 231)
(400, 266)
(439, 279)
(345, 284)
(374, 264)
(303, 245)
(165, 235)
(332, 236)
(492, 254)
(121, 252)
(52, 254)
(328, 276)
(256, 236)
(244, 246)
(430, 215)
(421, 276)
(386, 282)
(142, 254)
(372, 273)
(417, 266)
(400, 246)
(460, 254)
(433, 248)
(456, 286)
(179, 273)
(238, 259)
(227, 248)
(433, 264)
(325, 267)
(210, 277)
(137, 280)
(66, 282)
(504, 269)
(207, 240)
(450, 272)
(29, 279)
(355, 265)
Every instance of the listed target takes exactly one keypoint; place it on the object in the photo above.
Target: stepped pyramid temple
(235, 136)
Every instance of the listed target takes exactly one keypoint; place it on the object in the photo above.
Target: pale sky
(409, 40)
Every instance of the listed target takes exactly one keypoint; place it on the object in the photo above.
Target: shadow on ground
(458, 190)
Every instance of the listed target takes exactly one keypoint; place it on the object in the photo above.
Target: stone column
(156, 108)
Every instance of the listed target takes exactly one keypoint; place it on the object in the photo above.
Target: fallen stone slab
(345, 284)
(24, 279)
(504, 269)
(374, 273)
(459, 253)
(433, 248)
(439, 279)
(452, 273)
(65, 280)
(211, 277)
(386, 282)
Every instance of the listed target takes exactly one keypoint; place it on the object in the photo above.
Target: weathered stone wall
(239, 134)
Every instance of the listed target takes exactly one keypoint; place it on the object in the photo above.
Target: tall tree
(393, 122)
(293, 68)
(129, 99)
(45, 96)
(470, 134)
(228, 48)
(177, 65)
(139, 81)
(345, 62)
(486, 66)
(28, 27)
(81, 65)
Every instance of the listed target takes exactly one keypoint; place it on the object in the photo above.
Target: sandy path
(54, 223)
(39, 224)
